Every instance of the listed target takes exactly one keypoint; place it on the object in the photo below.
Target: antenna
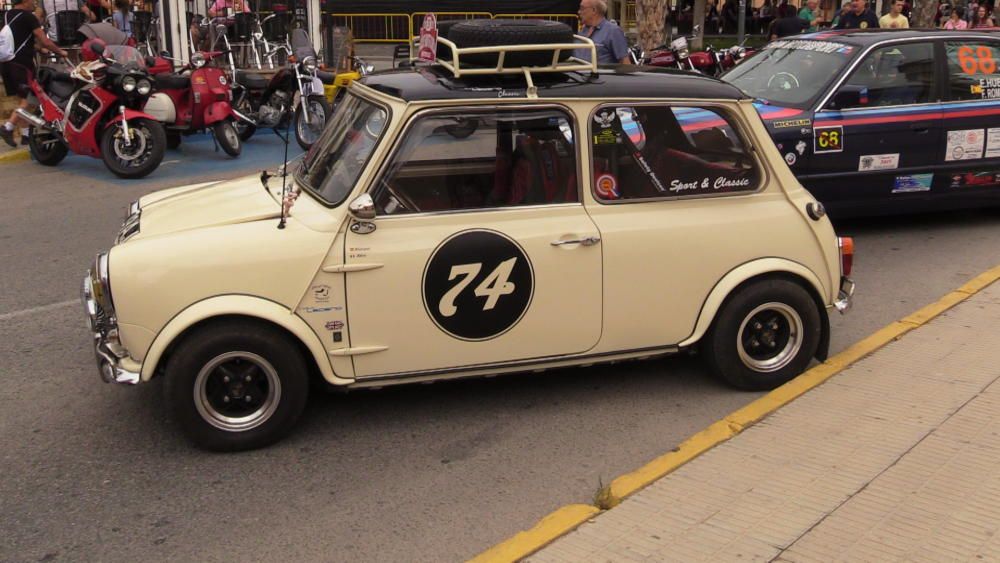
(284, 174)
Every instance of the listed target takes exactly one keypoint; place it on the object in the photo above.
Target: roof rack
(572, 64)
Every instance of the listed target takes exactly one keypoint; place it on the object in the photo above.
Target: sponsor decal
(605, 118)
(607, 187)
(607, 137)
(828, 139)
(878, 162)
(334, 325)
(321, 293)
(988, 88)
(720, 184)
(791, 123)
(807, 45)
(800, 147)
(199, 80)
(975, 179)
(322, 309)
(477, 285)
(993, 142)
(966, 144)
(912, 183)
(505, 93)
(790, 158)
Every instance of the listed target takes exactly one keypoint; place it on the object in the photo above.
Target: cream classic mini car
(454, 222)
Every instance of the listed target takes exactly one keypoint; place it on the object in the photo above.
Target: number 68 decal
(477, 285)
(828, 139)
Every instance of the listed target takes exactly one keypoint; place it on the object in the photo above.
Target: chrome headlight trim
(309, 63)
(128, 83)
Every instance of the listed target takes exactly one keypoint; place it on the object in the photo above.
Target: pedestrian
(895, 18)
(766, 15)
(26, 31)
(713, 22)
(971, 9)
(612, 47)
(859, 17)
(122, 18)
(844, 8)
(955, 21)
(809, 14)
(730, 16)
(983, 19)
(788, 23)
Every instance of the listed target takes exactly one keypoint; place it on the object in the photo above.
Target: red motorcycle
(711, 61)
(195, 99)
(95, 110)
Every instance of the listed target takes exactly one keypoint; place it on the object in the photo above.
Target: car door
(875, 137)
(970, 152)
(480, 252)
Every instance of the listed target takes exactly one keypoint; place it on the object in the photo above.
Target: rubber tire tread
(46, 158)
(485, 33)
(159, 140)
(298, 115)
(232, 150)
(211, 340)
(719, 349)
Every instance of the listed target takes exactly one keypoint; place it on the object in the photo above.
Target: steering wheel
(787, 81)
(404, 201)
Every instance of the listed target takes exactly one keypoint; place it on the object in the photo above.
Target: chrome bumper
(107, 346)
(845, 297)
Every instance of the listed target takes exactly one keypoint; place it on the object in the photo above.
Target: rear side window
(657, 151)
(894, 76)
(973, 72)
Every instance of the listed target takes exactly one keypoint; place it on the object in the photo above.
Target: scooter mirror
(165, 54)
(97, 48)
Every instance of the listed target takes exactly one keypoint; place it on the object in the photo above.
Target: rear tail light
(846, 245)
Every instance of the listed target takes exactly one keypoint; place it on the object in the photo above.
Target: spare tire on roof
(444, 27)
(492, 33)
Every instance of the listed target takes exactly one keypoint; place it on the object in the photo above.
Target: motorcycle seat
(326, 77)
(251, 81)
(172, 81)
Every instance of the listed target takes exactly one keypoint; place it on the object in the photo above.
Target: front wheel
(764, 335)
(139, 154)
(228, 138)
(236, 385)
(46, 147)
(319, 112)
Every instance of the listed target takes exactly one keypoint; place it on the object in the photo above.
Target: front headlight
(100, 281)
(682, 54)
(144, 86)
(128, 84)
(309, 63)
(197, 60)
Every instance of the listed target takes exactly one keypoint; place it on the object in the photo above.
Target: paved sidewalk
(895, 458)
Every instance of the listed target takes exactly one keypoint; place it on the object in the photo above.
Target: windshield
(125, 55)
(301, 45)
(791, 73)
(333, 165)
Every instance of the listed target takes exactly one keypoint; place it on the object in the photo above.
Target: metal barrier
(374, 28)
(569, 19)
(629, 20)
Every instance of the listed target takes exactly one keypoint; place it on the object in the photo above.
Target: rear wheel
(319, 113)
(228, 138)
(236, 385)
(139, 154)
(764, 335)
(46, 147)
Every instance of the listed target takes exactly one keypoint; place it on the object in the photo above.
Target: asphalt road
(426, 473)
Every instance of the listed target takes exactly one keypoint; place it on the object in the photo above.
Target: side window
(972, 70)
(471, 160)
(643, 152)
(891, 76)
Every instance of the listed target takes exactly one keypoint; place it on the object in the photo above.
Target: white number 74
(492, 288)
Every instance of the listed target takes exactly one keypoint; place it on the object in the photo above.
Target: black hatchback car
(876, 122)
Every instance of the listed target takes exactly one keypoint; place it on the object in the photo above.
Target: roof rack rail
(571, 64)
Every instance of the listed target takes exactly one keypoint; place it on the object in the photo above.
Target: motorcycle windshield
(125, 55)
(301, 45)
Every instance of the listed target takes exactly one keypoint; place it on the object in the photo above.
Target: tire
(221, 412)
(173, 140)
(485, 33)
(227, 137)
(444, 27)
(245, 130)
(134, 161)
(46, 148)
(764, 335)
(307, 134)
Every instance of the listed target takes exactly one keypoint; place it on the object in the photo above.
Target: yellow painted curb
(544, 532)
(16, 155)
(567, 518)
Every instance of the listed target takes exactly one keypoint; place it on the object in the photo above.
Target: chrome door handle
(585, 241)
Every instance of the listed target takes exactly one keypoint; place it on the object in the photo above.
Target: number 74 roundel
(477, 284)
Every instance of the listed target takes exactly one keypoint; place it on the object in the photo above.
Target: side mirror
(848, 97)
(362, 208)
(97, 48)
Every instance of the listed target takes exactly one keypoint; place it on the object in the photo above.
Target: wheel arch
(255, 309)
(757, 270)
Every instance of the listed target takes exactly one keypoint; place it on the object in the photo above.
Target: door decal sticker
(477, 285)
(828, 139)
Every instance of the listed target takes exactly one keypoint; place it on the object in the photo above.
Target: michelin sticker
(878, 162)
(912, 183)
(966, 144)
(477, 285)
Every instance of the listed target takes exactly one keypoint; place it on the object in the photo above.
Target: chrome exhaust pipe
(32, 118)
(244, 118)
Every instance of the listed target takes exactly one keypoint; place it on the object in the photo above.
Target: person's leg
(15, 79)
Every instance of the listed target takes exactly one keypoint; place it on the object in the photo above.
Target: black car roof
(866, 37)
(434, 82)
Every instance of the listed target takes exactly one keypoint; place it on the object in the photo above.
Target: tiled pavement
(896, 458)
